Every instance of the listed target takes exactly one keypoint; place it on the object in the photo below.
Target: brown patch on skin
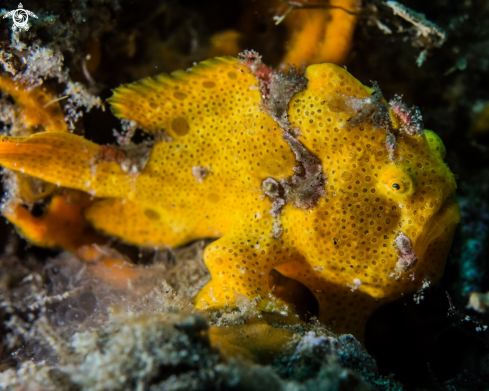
(277, 88)
(376, 111)
(132, 158)
(411, 119)
(200, 172)
(407, 256)
(303, 189)
(390, 144)
(272, 189)
(275, 191)
(111, 153)
(306, 186)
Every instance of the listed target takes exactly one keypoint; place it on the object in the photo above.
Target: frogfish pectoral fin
(67, 160)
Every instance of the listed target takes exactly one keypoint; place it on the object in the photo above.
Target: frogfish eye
(397, 181)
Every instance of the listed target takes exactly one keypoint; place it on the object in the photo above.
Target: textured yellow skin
(342, 249)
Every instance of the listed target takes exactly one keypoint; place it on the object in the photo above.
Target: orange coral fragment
(37, 108)
(320, 35)
(225, 43)
(61, 226)
(315, 32)
(113, 269)
(64, 226)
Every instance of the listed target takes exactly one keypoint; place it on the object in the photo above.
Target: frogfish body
(314, 175)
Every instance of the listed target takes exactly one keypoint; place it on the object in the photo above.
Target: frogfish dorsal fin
(173, 102)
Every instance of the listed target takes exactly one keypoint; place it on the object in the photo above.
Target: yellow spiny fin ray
(162, 103)
(66, 160)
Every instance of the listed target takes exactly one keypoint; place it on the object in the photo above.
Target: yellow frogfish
(313, 175)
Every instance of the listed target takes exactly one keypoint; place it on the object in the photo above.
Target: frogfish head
(390, 212)
(422, 187)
